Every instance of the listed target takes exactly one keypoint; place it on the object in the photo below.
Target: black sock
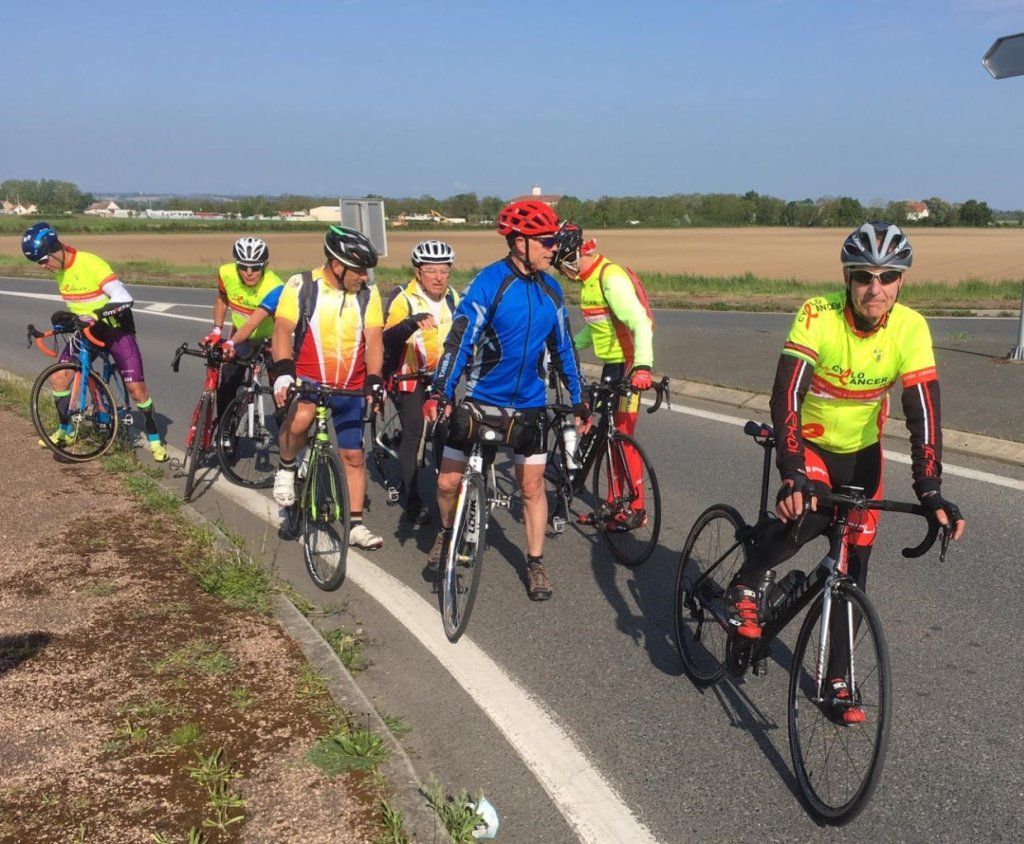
(532, 560)
(356, 518)
(288, 465)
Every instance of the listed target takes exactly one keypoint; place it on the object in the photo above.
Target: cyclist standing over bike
(329, 329)
(510, 318)
(251, 292)
(618, 325)
(844, 352)
(92, 291)
(417, 320)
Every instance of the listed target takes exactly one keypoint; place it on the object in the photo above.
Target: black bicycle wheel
(559, 484)
(122, 400)
(627, 509)
(701, 639)
(385, 440)
(80, 426)
(247, 441)
(325, 519)
(202, 418)
(837, 763)
(464, 561)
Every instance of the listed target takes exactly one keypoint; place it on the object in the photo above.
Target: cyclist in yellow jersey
(844, 352)
(92, 292)
(251, 292)
(417, 319)
(617, 325)
(329, 329)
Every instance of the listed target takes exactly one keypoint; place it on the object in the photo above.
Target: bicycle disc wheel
(838, 764)
(628, 509)
(202, 417)
(464, 561)
(325, 519)
(700, 637)
(85, 425)
(385, 440)
(247, 441)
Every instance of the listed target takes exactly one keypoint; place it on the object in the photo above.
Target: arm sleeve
(792, 381)
(468, 321)
(117, 292)
(288, 303)
(564, 357)
(269, 302)
(627, 309)
(582, 338)
(921, 407)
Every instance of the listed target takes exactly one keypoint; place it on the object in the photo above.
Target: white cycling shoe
(284, 487)
(362, 537)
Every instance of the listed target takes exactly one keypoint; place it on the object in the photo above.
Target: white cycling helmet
(251, 250)
(877, 245)
(432, 252)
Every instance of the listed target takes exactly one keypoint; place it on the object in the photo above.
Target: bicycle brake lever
(947, 533)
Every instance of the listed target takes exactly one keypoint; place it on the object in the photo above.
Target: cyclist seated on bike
(511, 317)
(251, 291)
(99, 300)
(618, 325)
(844, 352)
(417, 320)
(328, 329)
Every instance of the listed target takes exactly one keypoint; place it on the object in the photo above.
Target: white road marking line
(587, 801)
(154, 308)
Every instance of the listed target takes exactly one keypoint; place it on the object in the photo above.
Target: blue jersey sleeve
(269, 302)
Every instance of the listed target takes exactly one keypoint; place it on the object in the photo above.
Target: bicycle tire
(385, 440)
(237, 449)
(465, 551)
(822, 734)
(631, 545)
(94, 418)
(119, 389)
(559, 483)
(700, 638)
(326, 520)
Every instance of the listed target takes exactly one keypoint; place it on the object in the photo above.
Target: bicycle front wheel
(202, 418)
(465, 557)
(627, 500)
(715, 538)
(81, 423)
(247, 441)
(385, 440)
(837, 759)
(325, 519)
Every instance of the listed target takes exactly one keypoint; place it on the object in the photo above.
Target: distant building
(325, 213)
(168, 214)
(537, 194)
(17, 209)
(103, 208)
(917, 211)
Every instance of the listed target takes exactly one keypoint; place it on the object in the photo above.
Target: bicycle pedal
(502, 501)
(392, 495)
(558, 525)
(760, 666)
(126, 419)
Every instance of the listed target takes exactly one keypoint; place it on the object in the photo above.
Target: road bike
(386, 435)
(320, 514)
(626, 505)
(247, 431)
(838, 758)
(82, 421)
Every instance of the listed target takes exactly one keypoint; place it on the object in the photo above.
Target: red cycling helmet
(527, 217)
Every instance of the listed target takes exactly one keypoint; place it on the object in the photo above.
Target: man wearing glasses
(251, 291)
(511, 319)
(417, 320)
(845, 351)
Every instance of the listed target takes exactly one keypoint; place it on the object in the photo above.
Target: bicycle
(630, 531)
(386, 436)
(320, 513)
(246, 434)
(835, 785)
(199, 440)
(82, 422)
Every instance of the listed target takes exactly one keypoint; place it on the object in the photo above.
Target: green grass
(457, 812)
(197, 657)
(349, 647)
(185, 735)
(355, 750)
(100, 590)
(396, 725)
(241, 699)
(217, 777)
(391, 825)
(152, 497)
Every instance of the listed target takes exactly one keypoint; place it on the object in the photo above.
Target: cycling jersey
(86, 283)
(618, 325)
(244, 299)
(419, 348)
(833, 381)
(504, 329)
(332, 347)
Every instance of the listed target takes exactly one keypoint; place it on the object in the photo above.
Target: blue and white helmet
(39, 241)
(432, 252)
(877, 245)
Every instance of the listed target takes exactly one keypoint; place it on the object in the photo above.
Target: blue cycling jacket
(504, 329)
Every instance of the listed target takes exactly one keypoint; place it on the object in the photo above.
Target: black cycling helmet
(570, 242)
(351, 247)
(877, 245)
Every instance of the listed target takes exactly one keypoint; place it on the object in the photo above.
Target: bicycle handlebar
(34, 335)
(212, 354)
(663, 393)
(855, 501)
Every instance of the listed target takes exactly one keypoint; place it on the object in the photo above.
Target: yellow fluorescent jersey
(82, 279)
(332, 349)
(244, 299)
(424, 348)
(847, 403)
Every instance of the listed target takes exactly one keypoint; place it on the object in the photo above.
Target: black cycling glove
(932, 500)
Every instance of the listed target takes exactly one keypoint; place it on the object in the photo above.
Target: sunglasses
(549, 242)
(885, 277)
(251, 268)
(44, 261)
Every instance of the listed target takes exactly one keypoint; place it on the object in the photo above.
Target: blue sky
(878, 100)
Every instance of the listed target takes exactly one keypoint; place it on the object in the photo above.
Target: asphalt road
(599, 657)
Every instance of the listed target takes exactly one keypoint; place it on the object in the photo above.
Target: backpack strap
(307, 304)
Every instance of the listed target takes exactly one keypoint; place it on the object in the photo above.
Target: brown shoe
(538, 587)
(436, 553)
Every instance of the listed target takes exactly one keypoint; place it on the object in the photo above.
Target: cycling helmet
(251, 250)
(350, 247)
(877, 245)
(527, 217)
(432, 252)
(39, 241)
(570, 243)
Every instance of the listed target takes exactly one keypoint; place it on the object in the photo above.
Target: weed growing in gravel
(196, 657)
(217, 778)
(348, 646)
(154, 498)
(193, 836)
(396, 725)
(185, 735)
(357, 750)
(312, 688)
(456, 812)
(241, 699)
(100, 590)
(392, 826)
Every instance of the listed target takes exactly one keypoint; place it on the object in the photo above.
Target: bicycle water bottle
(786, 587)
(764, 588)
(571, 439)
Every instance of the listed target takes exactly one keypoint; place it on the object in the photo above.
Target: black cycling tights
(410, 410)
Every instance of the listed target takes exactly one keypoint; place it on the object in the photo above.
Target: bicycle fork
(838, 568)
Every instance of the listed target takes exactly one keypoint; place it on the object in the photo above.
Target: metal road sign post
(1005, 58)
(367, 216)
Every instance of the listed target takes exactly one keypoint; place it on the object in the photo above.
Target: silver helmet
(251, 251)
(877, 245)
(432, 252)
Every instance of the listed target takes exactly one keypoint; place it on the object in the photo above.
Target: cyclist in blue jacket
(510, 322)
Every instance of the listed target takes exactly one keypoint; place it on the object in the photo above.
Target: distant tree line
(50, 196)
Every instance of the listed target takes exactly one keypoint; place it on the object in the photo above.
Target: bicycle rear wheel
(628, 508)
(838, 764)
(202, 419)
(80, 426)
(385, 440)
(247, 441)
(325, 519)
(464, 560)
(701, 639)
